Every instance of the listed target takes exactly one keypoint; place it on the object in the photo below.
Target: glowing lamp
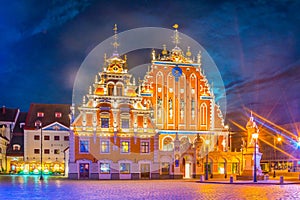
(279, 139)
(207, 142)
(255, 135)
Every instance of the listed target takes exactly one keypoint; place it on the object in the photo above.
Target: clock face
(176, 72)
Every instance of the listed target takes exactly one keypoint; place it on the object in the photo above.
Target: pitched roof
(17, 137)
(50, 114)
(8, 114)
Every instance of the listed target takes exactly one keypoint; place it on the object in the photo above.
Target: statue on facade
(251, 128)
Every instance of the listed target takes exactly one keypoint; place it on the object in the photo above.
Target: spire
(176, 37)
(115, 43)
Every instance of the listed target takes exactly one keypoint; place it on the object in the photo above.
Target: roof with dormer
(48, 114)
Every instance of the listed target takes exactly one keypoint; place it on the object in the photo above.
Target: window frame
(36, 136)
(56, 136)
(141, 146)
(106, 172)
(121, 146)
(127, 170)
(88, 146)
(108, 146)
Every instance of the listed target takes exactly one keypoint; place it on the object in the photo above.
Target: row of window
(124, 168)
(56, 114)
(105, 146)
(105, 122)
(47, 137)
(47, 151)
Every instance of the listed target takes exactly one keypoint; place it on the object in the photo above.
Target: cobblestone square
(30, 187)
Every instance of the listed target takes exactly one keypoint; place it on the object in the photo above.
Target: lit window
(36, 151)
(124, 147)
(16, 147)
(168, 144)
(46, 137)
(104, 146)
(105, 122)
(84, 146)
(124, 168)
(36, 137)
(104, 168)
(56, 151)
(125, 123)
(165, 168)
(46, 151)
(40, 114)
(58, 114)
(56, 137)
(145, 147)
(66, 138)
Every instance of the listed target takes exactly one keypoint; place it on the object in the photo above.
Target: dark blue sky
(255, 44)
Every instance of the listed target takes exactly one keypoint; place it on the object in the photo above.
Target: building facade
(8, 118)
(113, 136)
(15, 148)
(162, 127)
(46, 137)
(189, 122)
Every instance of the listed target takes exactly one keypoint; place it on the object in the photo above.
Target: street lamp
(206, 170)
(255, 137)
(38, 124)
(278, 141)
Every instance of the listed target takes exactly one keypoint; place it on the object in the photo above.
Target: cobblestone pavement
(30, 187)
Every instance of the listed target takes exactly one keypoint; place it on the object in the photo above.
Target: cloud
(60, 13)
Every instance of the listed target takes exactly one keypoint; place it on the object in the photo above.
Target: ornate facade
(157, 128)
(113, 136)
(185, 112)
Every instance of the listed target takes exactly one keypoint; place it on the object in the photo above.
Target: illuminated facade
(186, 115)
(52, 136)
(156, 129)
(113, 136)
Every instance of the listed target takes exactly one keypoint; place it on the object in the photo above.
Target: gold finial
(188, 53)
(164, 51)
(115, 43)
(176, 35)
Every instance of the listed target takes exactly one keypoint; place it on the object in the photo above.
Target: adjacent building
(15, 148)
(46, 137)
(8, 118)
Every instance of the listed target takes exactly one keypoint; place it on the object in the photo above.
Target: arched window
(119, 90)
(110, 89)
(203, 113)
(168, 144)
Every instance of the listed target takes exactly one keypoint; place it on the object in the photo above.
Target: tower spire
(115, 43)
(176, 37)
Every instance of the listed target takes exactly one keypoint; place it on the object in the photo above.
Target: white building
(47, 132)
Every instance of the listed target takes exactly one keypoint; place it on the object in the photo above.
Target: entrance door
(145, 171)
(84, 170)
(187, 173)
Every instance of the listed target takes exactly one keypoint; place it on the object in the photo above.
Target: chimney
(3, 110)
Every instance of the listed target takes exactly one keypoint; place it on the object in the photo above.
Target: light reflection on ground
(30, 187)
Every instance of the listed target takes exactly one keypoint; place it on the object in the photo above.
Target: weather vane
(176, 35)
(115, 43)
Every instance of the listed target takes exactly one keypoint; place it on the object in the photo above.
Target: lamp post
(38, 124)
(255, 137)
(206, 170)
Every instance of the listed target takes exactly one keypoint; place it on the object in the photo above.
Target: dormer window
(58, 114)
(40, 114)
(16, 147)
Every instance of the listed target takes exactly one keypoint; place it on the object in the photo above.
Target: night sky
(255, 45)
